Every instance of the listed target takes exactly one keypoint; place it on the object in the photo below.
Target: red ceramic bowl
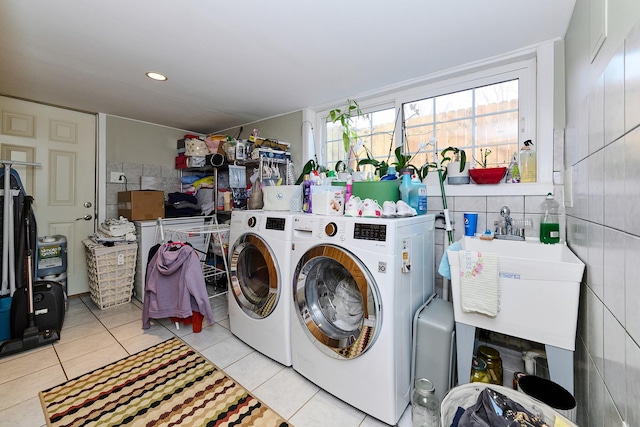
(488, 175)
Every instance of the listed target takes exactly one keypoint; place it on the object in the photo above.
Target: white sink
(539, 290)
(539, 296)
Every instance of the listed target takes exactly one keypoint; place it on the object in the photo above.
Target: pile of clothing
(181, 204)
(115, 230)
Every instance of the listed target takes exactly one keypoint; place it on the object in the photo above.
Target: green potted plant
(457, 168)
(380, 166)
(309, 167)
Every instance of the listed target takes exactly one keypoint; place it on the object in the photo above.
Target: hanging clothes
(175, 285)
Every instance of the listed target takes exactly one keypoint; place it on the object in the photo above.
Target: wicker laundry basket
(111, 272)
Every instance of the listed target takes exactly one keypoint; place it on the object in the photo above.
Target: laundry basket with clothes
(484, 405)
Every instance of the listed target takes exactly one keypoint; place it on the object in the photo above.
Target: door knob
(87, 217)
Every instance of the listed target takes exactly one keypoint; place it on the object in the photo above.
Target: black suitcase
(48, 305)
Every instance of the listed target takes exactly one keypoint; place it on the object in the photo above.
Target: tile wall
(488, 207)
(167, 180)
(603, 229)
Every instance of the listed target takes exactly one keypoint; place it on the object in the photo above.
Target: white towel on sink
(479, 282)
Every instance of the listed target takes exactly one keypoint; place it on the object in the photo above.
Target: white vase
(454, 176)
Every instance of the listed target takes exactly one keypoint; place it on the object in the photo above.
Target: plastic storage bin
(434, 345)
(5, 318)
(111, 272)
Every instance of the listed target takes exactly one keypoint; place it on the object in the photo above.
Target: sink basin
(539, 290)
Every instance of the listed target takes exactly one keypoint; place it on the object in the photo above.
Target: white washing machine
(357, 283)
(260, 278)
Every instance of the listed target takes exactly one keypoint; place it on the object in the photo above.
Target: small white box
(327, 200)
(282, 197)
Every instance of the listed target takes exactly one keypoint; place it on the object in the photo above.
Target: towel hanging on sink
(479, 283)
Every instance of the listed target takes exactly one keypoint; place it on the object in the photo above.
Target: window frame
(536, 99)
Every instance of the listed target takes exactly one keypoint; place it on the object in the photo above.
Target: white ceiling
(232, 62)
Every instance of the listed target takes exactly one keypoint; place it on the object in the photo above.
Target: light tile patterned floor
(92, 338)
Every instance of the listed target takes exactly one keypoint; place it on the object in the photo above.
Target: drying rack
(210, 241)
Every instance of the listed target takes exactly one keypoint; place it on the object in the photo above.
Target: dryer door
(337, 301)
(255, 276)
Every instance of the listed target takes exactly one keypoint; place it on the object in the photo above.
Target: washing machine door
(255, 276)
(337, 301)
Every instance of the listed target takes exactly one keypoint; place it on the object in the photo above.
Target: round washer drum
(255, 280)
(336, 301)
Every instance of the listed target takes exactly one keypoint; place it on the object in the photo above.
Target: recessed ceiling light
(156, 76)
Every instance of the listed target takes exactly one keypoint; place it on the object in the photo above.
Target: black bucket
(550, 393)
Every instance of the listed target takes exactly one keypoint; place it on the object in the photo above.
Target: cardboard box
(141, 205)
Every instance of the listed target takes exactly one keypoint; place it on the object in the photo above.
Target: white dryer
(357, 283)
(260, 281)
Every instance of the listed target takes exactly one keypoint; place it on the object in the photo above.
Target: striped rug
(166, 385)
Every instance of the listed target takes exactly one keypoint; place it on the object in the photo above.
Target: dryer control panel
(275, 223)
(376, 232)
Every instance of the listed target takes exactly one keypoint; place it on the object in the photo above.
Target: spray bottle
(528, 162)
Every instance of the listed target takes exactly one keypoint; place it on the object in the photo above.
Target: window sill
(520, 189)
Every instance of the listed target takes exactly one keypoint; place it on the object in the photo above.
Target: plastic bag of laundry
(349, 306)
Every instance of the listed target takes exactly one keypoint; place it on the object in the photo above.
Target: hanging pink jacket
(175, 285)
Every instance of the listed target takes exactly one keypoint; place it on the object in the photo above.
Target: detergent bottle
(549, 224)
(405, 187)
(418, 196)
(414, 193)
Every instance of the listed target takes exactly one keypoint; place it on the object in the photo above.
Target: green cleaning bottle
(550, 224)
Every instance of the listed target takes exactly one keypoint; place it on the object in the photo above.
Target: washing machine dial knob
(331, 229)
(251, 222)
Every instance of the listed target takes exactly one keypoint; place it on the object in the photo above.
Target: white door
(64, 143)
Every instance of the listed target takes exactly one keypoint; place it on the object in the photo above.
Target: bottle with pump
(528, 162)
(549, 224)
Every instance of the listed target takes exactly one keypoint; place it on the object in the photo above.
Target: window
(494, 109)
(375, 137)
(482, 121)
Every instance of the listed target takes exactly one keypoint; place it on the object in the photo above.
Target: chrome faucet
(507, 231)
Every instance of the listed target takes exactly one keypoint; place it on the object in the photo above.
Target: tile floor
(92, 338)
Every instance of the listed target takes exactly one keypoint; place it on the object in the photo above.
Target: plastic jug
(549, 224)
(418, 196)
(405, 187)
(414, 193)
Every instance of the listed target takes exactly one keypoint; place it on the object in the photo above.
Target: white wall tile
(581, 386)
(582, 148)
(596, 187)
(632, 383)
(614, 273)
(595, 270)
(614, 172)
(614, 97)
(614, 361)
(632, 290)
(595, 407)
(632, 78)
(595, 332)
(596, 115)
(515, 203)
(632, 182)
